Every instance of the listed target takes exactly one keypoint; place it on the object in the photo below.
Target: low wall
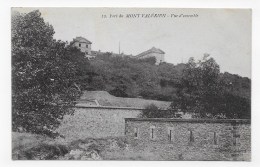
(191, 139)
(96, 122)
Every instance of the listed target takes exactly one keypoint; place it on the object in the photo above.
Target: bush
(42, 151)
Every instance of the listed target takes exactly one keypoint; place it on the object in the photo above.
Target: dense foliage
(205, 93)
(129, 77)
(44, 74)
(195, 87)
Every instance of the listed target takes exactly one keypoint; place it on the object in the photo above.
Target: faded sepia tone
(131, 84)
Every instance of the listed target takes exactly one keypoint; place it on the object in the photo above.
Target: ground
(27, 146)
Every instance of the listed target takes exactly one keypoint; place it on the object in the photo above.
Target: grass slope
(105, 99)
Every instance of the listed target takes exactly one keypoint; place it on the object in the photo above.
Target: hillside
(106, 99)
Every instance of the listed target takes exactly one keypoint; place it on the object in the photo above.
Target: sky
(225, 34)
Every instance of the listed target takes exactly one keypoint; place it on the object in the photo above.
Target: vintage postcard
(166, 84)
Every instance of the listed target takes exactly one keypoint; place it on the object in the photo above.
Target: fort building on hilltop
(153, 52)
(85, 46)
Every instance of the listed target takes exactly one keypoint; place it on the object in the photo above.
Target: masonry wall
(232, 141)
(96, 122)
(159, 57)
(86, 48)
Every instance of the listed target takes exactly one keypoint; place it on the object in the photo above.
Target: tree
(152, 111)
(44, 79)
(203, 93)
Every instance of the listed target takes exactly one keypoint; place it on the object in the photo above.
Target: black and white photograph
(131, 84)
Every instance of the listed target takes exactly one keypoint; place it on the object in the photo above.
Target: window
(170, 134)
(152, 130)
(79, 44)
(135, 133)
(86, 45)
(191, 137)
(215, 138)
(236, 139)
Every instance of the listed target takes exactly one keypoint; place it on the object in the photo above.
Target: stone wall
(191, 139)
(96, 122)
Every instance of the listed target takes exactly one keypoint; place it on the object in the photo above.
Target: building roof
(81, 39)
(152, 50)
(106, 99)
(247, 121)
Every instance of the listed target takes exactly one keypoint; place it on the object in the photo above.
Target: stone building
(153, 52)
(83, 44)
(191, 139)
(96, 122)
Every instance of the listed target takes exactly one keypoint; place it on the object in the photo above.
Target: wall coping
(242, 121)
(111, 107)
